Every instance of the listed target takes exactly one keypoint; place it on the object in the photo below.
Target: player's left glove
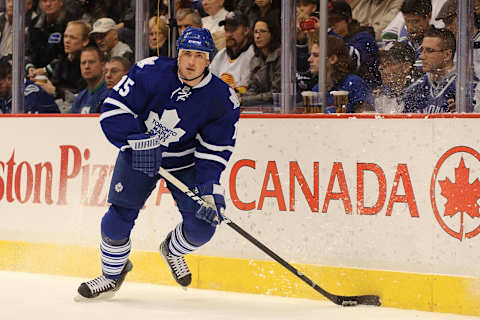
(146, 152)
(214, 196)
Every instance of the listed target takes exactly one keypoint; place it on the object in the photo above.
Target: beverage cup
(311, 102)
(340, 100)
(40, 78)
(276, 101)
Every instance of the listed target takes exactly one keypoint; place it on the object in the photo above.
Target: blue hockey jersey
(36, 100)
(423, 96)
(196, 125)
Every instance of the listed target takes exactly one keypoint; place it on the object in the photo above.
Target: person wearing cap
(169, 113)
(232, 64)
(216, 13)
(105, 35)
(398, 72)
(361, 40)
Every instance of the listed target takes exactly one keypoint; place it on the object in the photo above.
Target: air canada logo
(455, 192)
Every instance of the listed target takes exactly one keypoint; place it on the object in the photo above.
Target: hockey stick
(340, 300)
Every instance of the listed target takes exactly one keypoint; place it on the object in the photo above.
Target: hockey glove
(214, 196)
(146, 152)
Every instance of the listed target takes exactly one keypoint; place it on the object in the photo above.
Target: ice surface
(34, 296)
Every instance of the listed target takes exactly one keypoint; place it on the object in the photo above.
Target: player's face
(106, 41)
(192, 64)
(416, 25)
(212, 6)
(433, 56)
(186, 22)
(73, 39)
(262, 35)
(114, 71)
(314, 59)
(51, 7)
(91, 66)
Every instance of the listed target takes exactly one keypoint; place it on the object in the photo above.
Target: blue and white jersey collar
(206, 80)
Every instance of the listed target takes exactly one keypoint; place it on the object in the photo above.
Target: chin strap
(205, 72)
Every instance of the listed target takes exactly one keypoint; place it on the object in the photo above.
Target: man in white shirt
(232, 64)
(216, 13)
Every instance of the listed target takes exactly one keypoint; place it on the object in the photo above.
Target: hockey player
(172, 113)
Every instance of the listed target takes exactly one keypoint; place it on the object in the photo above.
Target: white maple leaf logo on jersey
(165, 126)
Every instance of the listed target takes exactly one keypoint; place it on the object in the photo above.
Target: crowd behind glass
(389, 56)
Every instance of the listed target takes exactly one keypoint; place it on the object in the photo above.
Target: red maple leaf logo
(461, 196)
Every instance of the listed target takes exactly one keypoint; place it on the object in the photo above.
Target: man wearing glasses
(434, 92)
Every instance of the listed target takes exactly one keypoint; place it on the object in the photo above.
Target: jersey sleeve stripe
(177, 154)
(180, 168)
(120, 105)
(112, 113)
(212, 146)
(206, 156)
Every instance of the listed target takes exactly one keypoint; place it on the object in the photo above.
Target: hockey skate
(177, 265)
(102, 286)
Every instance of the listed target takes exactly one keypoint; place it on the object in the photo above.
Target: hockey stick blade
(346, 301)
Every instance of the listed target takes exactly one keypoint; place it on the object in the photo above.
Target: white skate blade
(102, 297)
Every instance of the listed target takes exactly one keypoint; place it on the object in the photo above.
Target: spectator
(158, 36)
(396, 30)
(92, 65)
(266, 65)
(45, 36)
(36, 99)
(106, 37)
(232, 64)
(448, 14)
(188, 17)
(417, 15)
(339, 74)
(435, 91)
(64, 76)
(262, 9)
(360, 39)
(115, 69)
(216, 13)
(375, 13)
(243, 5)
(398, 73)
(6, 25)
(306, 10)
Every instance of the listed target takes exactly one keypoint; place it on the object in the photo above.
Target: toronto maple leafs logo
(456, 202)
(165, 127)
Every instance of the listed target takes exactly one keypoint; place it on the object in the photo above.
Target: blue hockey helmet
(198, 39)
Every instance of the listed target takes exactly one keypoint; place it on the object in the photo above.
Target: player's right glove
(146, 152)
(214, 196)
